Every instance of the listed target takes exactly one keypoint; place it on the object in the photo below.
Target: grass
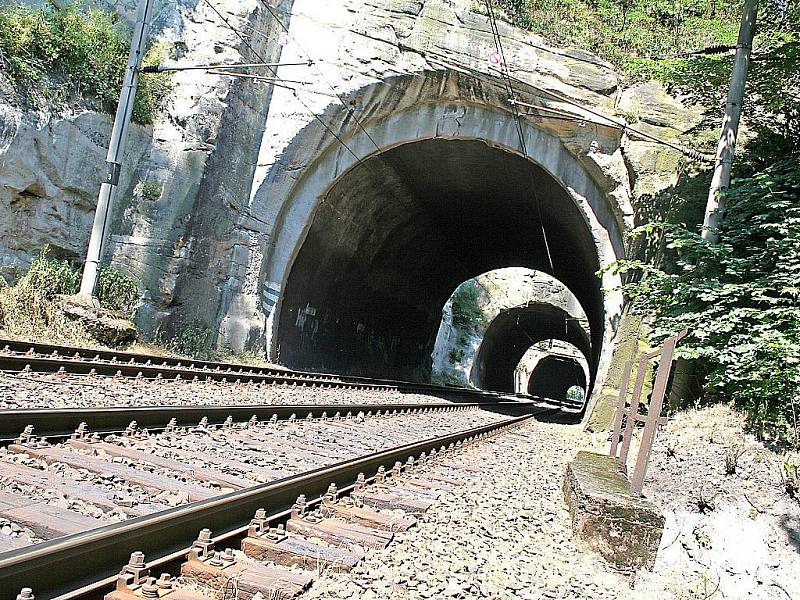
(61, 55)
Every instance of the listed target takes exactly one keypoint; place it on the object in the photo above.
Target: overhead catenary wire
(313, 64)
(275, 74)
(518, 124)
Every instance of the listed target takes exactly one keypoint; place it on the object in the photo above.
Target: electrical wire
(313, 63)
(519, 127)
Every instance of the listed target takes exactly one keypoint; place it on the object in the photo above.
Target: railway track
(18, 357)
(163, 488)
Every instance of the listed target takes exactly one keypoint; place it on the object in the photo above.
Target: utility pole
(116, 148)
(715, 207)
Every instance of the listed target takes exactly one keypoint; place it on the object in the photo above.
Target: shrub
(117, 290)
(28, 310)
(194, 340)
(467, 313)
(456, 355)
(49, 277)
(738, 299)
(54, 54)
(151, 189)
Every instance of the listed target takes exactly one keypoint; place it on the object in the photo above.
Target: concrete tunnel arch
(554, 375)
(365, 253)
(513, 332)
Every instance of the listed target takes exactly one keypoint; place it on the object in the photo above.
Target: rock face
(501, 290)
(50, 173)
(255, 181)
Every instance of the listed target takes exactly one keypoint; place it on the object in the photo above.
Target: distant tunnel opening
(554, 376)
(395, 235)
(512, 333)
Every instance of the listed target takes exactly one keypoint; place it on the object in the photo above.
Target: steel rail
(68, 563)
(62, 422)
(15, 355)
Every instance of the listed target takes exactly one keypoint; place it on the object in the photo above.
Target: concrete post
(116, 148)
(715, 207)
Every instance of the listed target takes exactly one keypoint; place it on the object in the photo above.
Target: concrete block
(626, 530)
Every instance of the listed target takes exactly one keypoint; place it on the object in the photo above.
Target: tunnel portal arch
(513, 332)
(446, 197)
(554, 375)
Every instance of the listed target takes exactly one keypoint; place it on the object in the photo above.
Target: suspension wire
(294, 91)
(518, 122)
(313, 64)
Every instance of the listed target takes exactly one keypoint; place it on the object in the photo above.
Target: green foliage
(791, 478)
(642, 38)
(118, 291)
(467, 313)
(49, 277)
(442, 378)
(575, 393)
(194, 340)
(55, 54)
(628, 31)
(456, 355)
(739, 299)
(151, 189)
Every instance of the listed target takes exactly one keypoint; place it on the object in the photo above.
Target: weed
(53, 54)
(704, 504)
(150, 189)
(456, 355)
(118, 291)
(732, 456)
(791, 478)
(50, 277)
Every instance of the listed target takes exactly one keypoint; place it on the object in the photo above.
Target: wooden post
(653, 415)
(633, 411)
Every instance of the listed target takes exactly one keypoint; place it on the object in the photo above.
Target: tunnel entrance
(554, 376)
(395, 234)
(513, 332)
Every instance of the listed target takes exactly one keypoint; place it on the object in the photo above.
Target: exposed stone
(104, 326)
(624, 529)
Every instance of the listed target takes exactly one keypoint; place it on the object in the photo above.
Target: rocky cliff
(232, 160)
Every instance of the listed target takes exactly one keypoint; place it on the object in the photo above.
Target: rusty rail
(629, 413)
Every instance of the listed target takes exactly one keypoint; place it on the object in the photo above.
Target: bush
(28, 310)
(456, 355)
(118, 291)
(628, 33)
(49, 277)
(52, 54)
(739, 299)
(467, 313)
(193, 340)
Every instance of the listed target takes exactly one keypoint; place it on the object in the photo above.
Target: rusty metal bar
(633, 411)
(623, 396)
(654, 412)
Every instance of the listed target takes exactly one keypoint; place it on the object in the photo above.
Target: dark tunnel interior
(554, 375)
(397, 233)
(510, 335)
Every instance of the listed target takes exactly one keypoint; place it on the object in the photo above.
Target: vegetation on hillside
(30, 309)
(739, 299)
(57, 55)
